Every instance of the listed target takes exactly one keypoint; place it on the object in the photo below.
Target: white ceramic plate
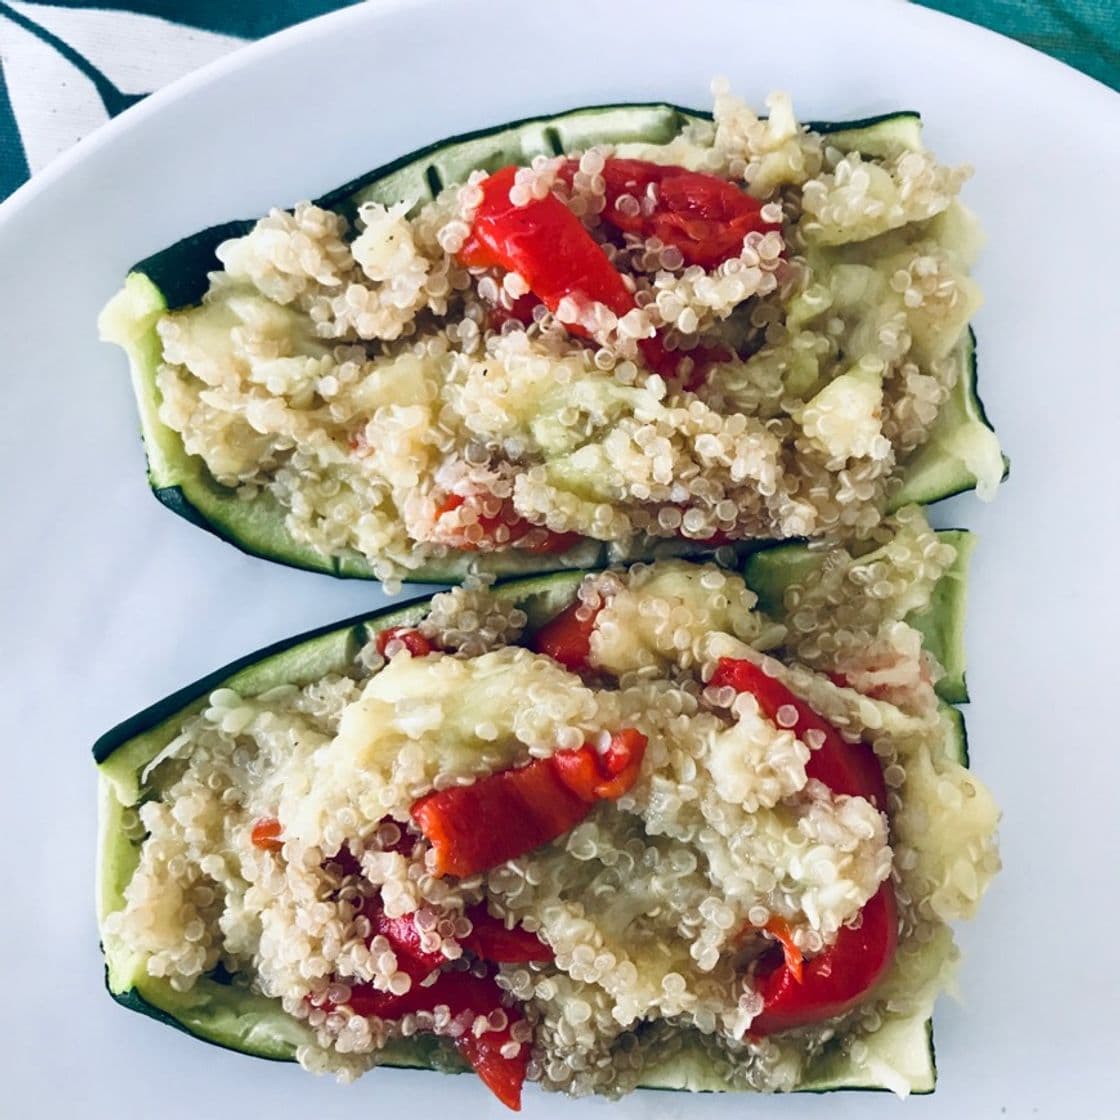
(110, 601)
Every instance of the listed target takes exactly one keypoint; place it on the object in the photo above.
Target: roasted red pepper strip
(489, 939)
(623, 760)
(464, 995)
(567, 637)
(503, 1076)
(404, 938)
(841, 976)
(602, 777)
(497, 818)
(837, 979)
(266, 835)
(492, 941)
(349, 864)
(846, 768)
(411, 639)
(461, 992)
(476, 827)
(548, 246)
(517, 527)
(703, 216)
(581, 772)
(521, 311)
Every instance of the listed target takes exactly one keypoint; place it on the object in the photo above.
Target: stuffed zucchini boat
(615, 333)
(600, 830)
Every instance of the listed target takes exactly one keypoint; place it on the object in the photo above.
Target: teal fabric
(247, 19)
(1084, 33)
(13, 165)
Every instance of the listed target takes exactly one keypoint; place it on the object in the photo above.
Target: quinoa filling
(763, 328)
(658, 823)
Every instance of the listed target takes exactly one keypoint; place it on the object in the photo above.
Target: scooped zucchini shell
(961, 443)
(235, 1017)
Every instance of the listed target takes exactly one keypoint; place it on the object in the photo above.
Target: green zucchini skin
(156, 713)
(132, 1000)
(123, 752)
(177, 276)
(930, 476)
(771, 571)
(180, 270)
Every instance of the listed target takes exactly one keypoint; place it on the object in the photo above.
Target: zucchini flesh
(961, 449)
(941, 624)
(183, 484)
(238, 1019)
(177, 276)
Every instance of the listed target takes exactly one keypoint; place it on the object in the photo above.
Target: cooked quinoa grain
(277, 840)
(405, 407)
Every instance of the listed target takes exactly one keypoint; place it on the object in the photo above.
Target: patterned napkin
(68, 65)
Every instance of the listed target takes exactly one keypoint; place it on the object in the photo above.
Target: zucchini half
(177, 277)
(238, 1019)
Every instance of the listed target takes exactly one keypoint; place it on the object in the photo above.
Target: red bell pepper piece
(499, 817)
(840, 977)
(567, 637)
(367, 1001)
(463, 995)
(492, 941)
(706, 218)
(404, 937)
(489, 940)
(846, 768)
(503, 1076)
(517, 526)
(521, 312)
(410, 638)
(476, 827)
(837, 979)
(602, 777)
(548, 246)
(349, 864)
(266, 835)
(461, 992)
(703, 216)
